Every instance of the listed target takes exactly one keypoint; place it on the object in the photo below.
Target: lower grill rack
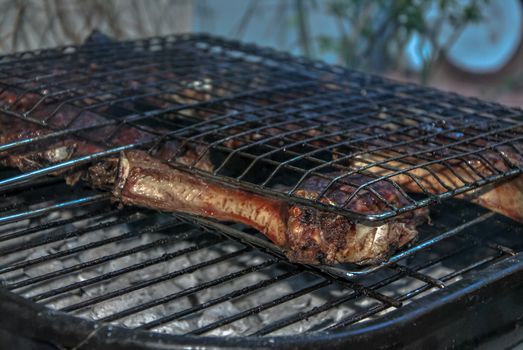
(72, 250)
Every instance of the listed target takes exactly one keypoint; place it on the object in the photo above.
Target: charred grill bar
(267, 123)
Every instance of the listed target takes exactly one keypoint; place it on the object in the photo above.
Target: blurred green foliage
(372, 35)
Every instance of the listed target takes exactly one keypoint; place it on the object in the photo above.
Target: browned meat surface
(67, 116)
(505, 197)
(307, 235)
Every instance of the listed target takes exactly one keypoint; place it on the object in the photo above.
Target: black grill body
(63, 268)
(481, 312)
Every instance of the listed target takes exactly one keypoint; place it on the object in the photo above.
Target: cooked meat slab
(504, 197)
(306, 234)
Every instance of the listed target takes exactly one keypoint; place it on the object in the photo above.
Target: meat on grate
(135, 177)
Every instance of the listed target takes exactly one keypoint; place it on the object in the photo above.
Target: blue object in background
(484, 47)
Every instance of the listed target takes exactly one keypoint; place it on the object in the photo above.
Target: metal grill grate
(267, 121)
(70, 249)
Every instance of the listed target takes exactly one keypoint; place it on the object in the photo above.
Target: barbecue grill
(86, 273)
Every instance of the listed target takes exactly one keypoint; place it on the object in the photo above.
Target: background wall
(31, 24)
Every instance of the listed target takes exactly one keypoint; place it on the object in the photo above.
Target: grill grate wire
(275, 121)
(270, 122)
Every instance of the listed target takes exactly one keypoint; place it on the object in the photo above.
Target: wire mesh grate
(261, 120)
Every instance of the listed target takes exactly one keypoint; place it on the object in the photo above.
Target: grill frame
(59, 328)
(315, 74)
(442, 309)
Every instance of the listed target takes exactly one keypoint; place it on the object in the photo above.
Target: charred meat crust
(338, 193)
(504, 197)
(307, 235)
(322, 237)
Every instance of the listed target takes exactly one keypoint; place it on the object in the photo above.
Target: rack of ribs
(306, 234)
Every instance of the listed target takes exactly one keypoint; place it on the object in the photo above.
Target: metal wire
(453, 243)
(270, 122)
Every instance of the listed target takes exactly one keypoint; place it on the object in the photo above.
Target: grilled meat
(420, 175)
(505, 198)
(137, 178)
(306, 234)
